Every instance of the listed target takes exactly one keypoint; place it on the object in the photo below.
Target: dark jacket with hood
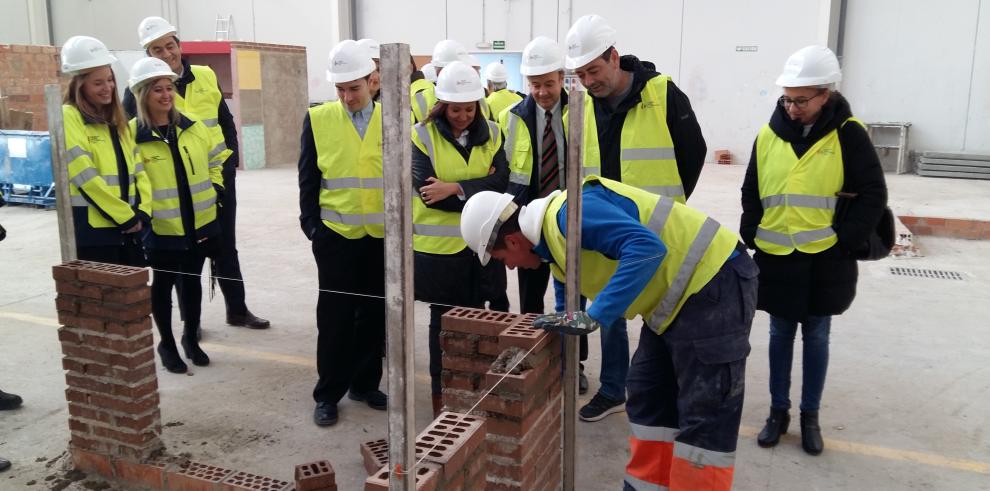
(526, 110)
(689, 143)
(798, 285)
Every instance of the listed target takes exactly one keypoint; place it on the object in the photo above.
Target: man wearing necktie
(537, 151)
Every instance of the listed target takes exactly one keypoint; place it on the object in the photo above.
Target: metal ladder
(224, 25)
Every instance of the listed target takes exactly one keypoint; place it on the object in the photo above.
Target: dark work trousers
(532, 290)
(445, 281)
(187, 266)
(350, 344)
(686, 385)
(129, 254)
(228, 265)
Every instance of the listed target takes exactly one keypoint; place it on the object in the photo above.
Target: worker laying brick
(693, 284)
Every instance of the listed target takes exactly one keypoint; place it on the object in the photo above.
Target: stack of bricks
(109, 359)
(451, 456)
(469, 341)
(524, 409)
(24, 72)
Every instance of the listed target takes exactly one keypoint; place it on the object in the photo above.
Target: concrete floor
(907, 404)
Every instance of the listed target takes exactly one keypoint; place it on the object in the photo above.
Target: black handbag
(880, 241)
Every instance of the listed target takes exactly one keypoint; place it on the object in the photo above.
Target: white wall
(694, 42)
(927, 64)
(23, 22)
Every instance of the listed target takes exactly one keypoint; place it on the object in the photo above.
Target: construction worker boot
(811, 433)
(190, 344)
(776, 425)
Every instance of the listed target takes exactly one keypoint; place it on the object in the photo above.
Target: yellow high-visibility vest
(422, 96)
(352, 202)
(697, 247)
(647, 158)
(203, 154)
(501, 100)
(438, 231)
(201, 101)
(92, 169)
(798, 195)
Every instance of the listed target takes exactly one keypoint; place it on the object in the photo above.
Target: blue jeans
(615, 361)
(814, 337)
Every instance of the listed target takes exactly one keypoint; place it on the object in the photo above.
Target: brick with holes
(197, 477)
(375, 455)
(313, 476)
(427, 478)
(477, 321)
(243, 481)
(450, 439)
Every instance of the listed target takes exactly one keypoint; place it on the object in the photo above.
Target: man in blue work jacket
(695, 287)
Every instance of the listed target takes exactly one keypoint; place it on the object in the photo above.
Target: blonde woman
(108, 189)
(183, 160)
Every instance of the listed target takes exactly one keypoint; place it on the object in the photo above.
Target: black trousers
(228, 265)
(129, 254)
(351, 340)
(180, 269)
(532, 289)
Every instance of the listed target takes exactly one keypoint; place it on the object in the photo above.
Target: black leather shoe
(4, 464)
(9, 401)
(191, 346)
(248, 320)
(776, 425)
(325, 414)
(376, 399)
(811, 433)
(171, 359)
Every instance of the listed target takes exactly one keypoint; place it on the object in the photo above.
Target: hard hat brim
(580, 61)
(137, 82)
(77, 68)
(341, 78)
(145, 42)
(531, 217)
(471, 96)
(532, 71)
(794, 82)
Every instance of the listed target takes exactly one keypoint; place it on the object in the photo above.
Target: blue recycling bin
(26, 168)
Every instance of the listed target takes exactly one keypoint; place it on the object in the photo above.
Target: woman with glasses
(811, 149)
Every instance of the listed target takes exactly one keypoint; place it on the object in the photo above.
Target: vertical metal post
(66, 228)
(399, 304)
(572, 269)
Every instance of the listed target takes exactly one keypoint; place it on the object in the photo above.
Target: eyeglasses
(800, 102)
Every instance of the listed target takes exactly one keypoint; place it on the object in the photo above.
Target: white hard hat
(588, 38)
(81, 53)
(531, 217)
(445, 52)
(429, 72)
(482, 216)
(470, 60)
(147, 69)
(349, 61)
(810, 66)
(374, 49)
(152, 28)
(496, 72)
(459, 83)
(541, 56)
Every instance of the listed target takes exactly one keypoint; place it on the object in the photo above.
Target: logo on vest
(96, 139)
(826, 152)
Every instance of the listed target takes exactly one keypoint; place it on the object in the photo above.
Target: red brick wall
(24, 72)
(957, 228)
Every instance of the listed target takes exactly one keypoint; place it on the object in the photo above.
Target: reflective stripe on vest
(166, 193)
(352, 201)
(85, 176)
(437, 231)
(646, 159)
(798, 195)
(76, 152)
(697, 247)
(520, 166)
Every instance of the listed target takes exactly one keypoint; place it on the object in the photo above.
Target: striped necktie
(549, 181)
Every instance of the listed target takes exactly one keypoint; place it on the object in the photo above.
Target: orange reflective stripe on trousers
(699, 469)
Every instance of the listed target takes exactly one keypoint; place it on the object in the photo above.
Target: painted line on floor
(748, 431)
(891, 453)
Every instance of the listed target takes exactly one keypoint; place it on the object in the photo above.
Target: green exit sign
(498, 44)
